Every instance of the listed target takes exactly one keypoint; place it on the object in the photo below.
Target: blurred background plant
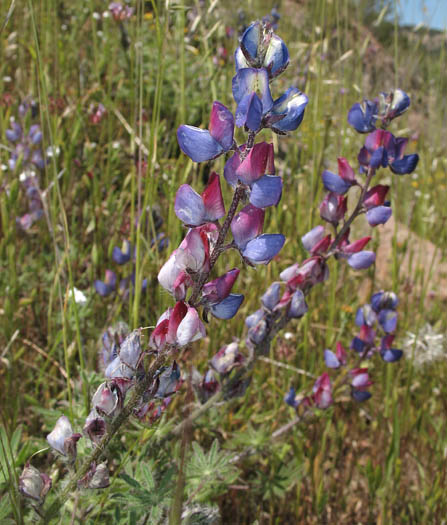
(109, 93)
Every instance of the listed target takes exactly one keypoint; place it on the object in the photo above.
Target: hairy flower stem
(355, 213)
(101, 447)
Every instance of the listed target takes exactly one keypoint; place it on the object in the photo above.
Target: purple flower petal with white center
(276, 59)
(407, 164)
(222, 125)
(360, 395)
(262, 249)
(271, 296)
(249, 80)
(123, 255)
(331, 359)
(335, 183)
(247, 224)
(378, 215)
(298, 305)
(189, 206)
(227, 308)
(254, 318)
(249, 112)
(290, 106)
(388, 320)
(400, 102)
(266, 191)
(381, 300)
(312, 237)
(361, 260)
(363, 116)
(198, 143)
(365, 315)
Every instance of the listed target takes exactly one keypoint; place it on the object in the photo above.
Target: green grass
(382, 462)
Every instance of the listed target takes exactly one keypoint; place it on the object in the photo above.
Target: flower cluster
(27, 156)
(377, 318)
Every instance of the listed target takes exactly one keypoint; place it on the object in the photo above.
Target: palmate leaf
(209, 473)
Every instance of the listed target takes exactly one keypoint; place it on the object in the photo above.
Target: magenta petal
(231, 166)
(247, 224)
(213, 200)
(217, 290)
(356, 246)
(189, 206)
(258, 162)
(198, 143)
(263, 248)
(222, 125)
(375, 196)
(176, 317)
(345, 171)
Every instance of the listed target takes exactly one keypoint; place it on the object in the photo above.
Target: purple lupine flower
(218, 289)
(254, 247)
(342, 182)
(388, 354)
(34, 484)
(252, 95)
(15, 133)
(206, 144)
(94, 427)
(194, 209)
(178, 326)
(258, 162)
(63, 439)
(363, 116)
(120, 12)
(381, 300)
(365, 315)
(313, 237)
(375, 196)
(96, 478)
(291, 398)
(126, 362)
(168, 381)
(260, 48)
(298, 306)
(393, 104)
(107, 400)
(387, 320)
(337, 359)
(227, 358)
(383, 149)
(271, 296)
(122, 255)
(333, 208)
(322, 391)
(107, 286)
(287, 111)
(378, 215)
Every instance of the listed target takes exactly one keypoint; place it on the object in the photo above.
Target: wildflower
(96, 478)
(227, 358)
(322, 391)
(200, 144)
(106, 287)
(335, 360)
(120, 12)
(34, 484)
(333, 208)
(63, 439)
(340, 183)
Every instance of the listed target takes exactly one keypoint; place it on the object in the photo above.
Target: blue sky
(431, 12)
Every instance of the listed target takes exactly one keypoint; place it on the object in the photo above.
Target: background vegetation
(381, 462)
